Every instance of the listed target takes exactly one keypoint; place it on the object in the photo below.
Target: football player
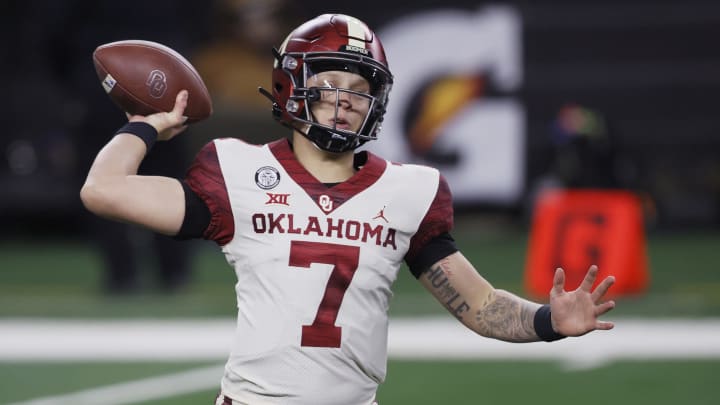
(317, 232)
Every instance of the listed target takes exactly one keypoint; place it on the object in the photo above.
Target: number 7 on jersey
(345, 259)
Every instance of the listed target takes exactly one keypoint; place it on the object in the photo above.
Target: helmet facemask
(336, 136)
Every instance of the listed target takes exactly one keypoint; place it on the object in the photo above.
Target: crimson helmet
(330, 42)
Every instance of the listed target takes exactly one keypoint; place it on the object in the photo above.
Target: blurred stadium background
(508, 99)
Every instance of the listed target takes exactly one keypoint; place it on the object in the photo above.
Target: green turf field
(52, 279)
(428, 383)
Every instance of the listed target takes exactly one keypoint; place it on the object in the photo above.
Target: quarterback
(317, 231)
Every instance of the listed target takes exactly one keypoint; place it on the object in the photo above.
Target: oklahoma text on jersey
(330, 227)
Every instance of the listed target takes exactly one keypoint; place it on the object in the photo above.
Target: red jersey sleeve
(205, 178)
(437, 221)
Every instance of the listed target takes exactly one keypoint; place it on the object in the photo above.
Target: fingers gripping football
(170, 123)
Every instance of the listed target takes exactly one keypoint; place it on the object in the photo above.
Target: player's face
(343, 99)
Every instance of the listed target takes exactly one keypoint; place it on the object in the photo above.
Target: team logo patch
(267, 177)
(326, 203)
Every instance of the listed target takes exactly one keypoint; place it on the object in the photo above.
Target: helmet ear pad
(284, 83)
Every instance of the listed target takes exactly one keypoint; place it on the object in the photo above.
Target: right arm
(435, 260)
(488, 311)
(499, 314)
(114, 190)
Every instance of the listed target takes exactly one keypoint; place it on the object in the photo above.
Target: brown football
(143, 77)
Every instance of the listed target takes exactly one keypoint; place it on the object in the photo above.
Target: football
(143, 77)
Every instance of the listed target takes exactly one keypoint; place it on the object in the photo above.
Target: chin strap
(331, 141)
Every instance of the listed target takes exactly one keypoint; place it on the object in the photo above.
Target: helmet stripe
(356, 29)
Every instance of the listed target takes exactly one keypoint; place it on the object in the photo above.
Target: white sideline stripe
(23, 340)
(115, 340)
(423, 338)
(638, 339)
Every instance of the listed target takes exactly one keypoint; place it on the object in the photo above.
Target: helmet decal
(356, 33)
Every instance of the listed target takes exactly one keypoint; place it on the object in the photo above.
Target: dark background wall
(649, 68)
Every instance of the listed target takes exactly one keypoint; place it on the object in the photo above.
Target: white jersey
(315, 266)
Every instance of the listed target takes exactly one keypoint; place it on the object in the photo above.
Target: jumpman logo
(381, 215)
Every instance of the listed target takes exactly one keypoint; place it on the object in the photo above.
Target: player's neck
(325, 166)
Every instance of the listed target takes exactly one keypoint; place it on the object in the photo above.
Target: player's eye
(361, 89)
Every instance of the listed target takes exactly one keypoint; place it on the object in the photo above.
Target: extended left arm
(499, 314)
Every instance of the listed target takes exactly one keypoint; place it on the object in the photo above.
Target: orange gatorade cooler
(574, 229)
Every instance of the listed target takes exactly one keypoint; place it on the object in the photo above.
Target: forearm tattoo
(507, 318)
(445, 291)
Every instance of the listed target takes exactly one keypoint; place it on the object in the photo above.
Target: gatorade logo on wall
(454, 105)
(577, 228)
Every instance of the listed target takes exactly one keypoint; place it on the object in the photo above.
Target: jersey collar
(371, 167)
